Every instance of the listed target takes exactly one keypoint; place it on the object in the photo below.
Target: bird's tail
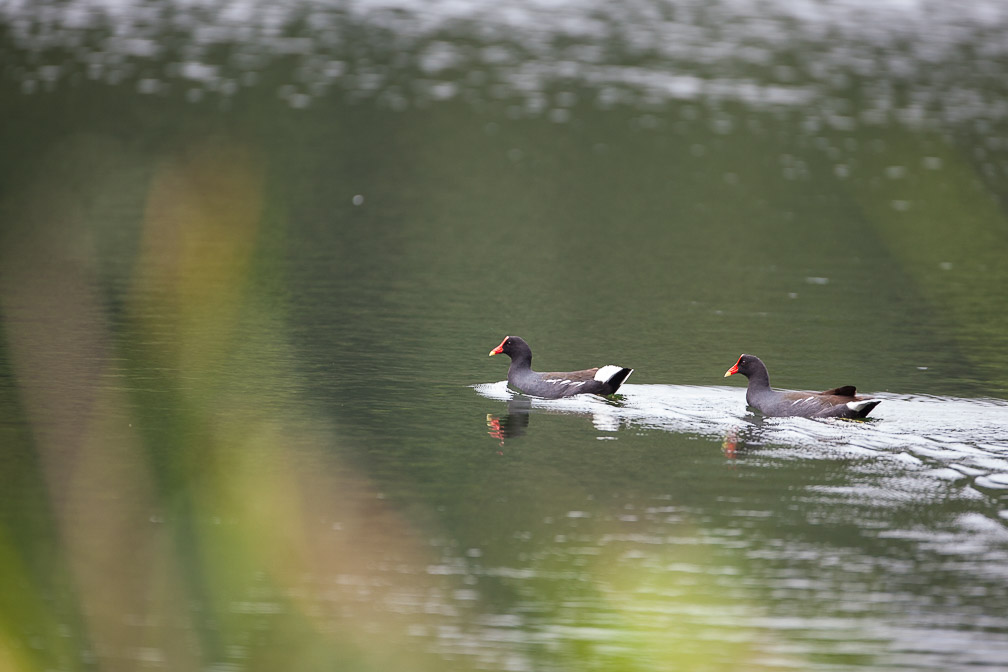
(613, 376)
(862, 407)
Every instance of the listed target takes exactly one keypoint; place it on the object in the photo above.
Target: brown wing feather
(845, 391)
(573, 376)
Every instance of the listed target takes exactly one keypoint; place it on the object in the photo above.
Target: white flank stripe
(607, 372)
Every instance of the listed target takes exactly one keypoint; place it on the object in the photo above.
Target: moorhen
(839, 402)
(603, 380)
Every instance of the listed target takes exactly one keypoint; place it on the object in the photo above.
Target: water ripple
(955, 438)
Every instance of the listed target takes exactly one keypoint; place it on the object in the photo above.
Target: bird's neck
(759, 382)
(521, 362)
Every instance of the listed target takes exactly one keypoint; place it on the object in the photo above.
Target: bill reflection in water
(512, 424)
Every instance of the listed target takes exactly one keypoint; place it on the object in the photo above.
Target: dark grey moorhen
(604, 380)
(840, 402)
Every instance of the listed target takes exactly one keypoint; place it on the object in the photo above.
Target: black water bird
(554, 385)
(840, 402)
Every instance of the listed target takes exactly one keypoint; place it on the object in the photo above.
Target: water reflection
(746, 436)
(910, 63)
(512, 424)
(963, 436)
(604, 411)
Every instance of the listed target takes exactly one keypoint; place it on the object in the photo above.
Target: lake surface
(252, 258)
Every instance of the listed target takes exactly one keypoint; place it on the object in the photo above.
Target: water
(838, 547)
(252, 258)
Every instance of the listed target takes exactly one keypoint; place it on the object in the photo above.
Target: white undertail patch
(607, 372)
(858, 406)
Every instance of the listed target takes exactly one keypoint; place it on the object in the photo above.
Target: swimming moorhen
(604, 380)
(839, 402)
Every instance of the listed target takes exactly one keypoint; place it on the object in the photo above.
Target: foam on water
(963, 437)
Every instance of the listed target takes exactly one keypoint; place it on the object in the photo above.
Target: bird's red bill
(500, 348)
(733, 370)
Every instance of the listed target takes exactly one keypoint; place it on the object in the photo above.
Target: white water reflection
(955, 438)
(921, 63)
(933, 426)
